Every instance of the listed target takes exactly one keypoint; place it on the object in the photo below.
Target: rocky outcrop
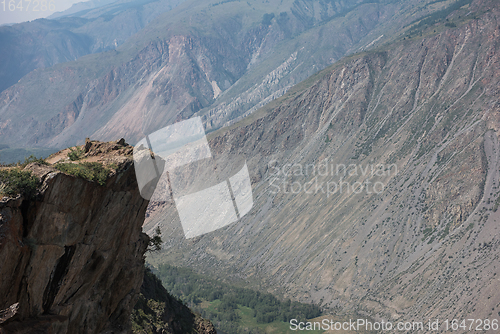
(73, 257)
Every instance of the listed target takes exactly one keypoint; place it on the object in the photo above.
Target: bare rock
(73, 259)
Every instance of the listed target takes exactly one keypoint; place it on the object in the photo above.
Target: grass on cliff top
(75, 154)
(92, 171)
(14, 181)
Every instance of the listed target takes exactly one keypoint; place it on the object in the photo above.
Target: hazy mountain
(79, 7)
(221, 60)
(421, 118)
(43, 43)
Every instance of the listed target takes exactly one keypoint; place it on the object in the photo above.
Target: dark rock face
(73, 259)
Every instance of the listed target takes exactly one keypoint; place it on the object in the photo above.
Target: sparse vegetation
(92, 171)
(497, 203)
(147, 316)
(157, 311)
(445, 232)
(75, 154)
(437, 17)
(267, 18)
(427, 232)
(155, 241)
(33, 158)
(15, 181)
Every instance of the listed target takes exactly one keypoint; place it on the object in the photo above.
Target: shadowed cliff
(71, 243)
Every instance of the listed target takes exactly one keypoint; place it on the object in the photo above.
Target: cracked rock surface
(73, 258)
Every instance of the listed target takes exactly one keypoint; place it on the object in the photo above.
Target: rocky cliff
(73, 252)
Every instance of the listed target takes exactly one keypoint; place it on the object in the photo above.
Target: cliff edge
(73, 253)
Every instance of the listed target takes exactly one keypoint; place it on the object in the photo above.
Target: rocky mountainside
(73, 251)
(411, 134)
(219, 60)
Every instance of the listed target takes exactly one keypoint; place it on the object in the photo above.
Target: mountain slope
(420, 117)
(43, 43)
(215, 59)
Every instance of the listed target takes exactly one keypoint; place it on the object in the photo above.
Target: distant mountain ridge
(43, 43)
(219, 60)
(79, 7)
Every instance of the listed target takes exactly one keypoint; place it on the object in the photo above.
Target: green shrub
(92, 171)
(155, 241)
(15, 181)
(75, 154)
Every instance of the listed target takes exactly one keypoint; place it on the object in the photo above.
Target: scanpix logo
(168, 154)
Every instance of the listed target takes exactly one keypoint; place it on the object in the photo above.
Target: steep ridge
(220, 60)
(421, 118)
